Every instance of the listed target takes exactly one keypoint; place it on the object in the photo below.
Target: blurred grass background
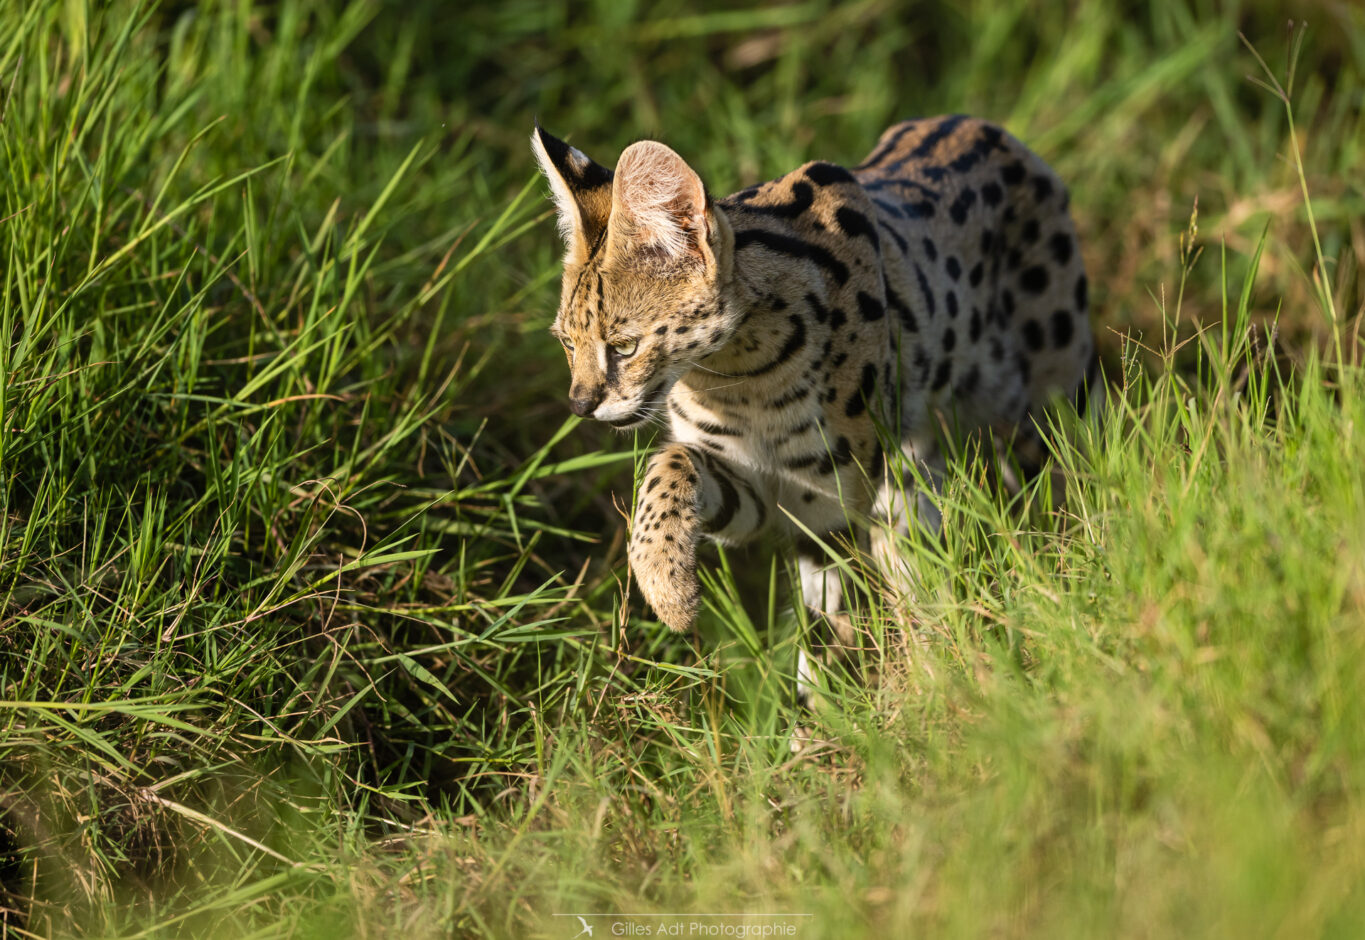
(310, 595)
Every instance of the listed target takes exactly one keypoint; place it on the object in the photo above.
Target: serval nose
(584, 401)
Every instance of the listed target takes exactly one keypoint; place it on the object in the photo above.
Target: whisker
(715, 388)
(696, 365)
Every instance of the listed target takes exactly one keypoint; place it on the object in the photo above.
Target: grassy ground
(311, 608)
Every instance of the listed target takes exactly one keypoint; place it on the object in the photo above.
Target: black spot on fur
(803, 196)
(1034, 279)
(919, 210)
(802, 462)
(930, 250)
(827, 174)
(937, 135)
(1033, 335)
(1063, 328)
(1042, 187)
(870, 307)
(950, 301)
(964, 201)
(661, 330)
(949, 340)
(942, 375)
(855, 224)
(953, 267)
(974, 327)
(991, 194)
(1013, 174)
(1082, 298)
(1061, 247)
(907, 318)
(966, 161)
(1030, 231)
(710, 427)
(974, 277)
(924, 289)
(857, 402)
(789, 398)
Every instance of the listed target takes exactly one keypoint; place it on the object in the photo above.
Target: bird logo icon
(587, 927)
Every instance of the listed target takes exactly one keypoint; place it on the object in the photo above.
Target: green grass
(312, 618)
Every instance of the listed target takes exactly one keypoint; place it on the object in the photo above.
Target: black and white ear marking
(659, 203)
(581, 188)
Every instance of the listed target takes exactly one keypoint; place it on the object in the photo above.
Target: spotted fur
(784, 333)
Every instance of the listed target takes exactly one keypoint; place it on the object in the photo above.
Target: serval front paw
(663, 540)
(667, 578)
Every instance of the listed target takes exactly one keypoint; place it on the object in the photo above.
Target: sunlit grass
(313, 616)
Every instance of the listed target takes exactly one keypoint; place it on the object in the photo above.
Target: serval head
(647, 261)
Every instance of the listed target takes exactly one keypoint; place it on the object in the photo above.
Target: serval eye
(625, 347)
(567, 344)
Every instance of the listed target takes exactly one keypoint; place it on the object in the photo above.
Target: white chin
(623, 420)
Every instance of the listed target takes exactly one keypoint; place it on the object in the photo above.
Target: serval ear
(660, 206)
(582, 191)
